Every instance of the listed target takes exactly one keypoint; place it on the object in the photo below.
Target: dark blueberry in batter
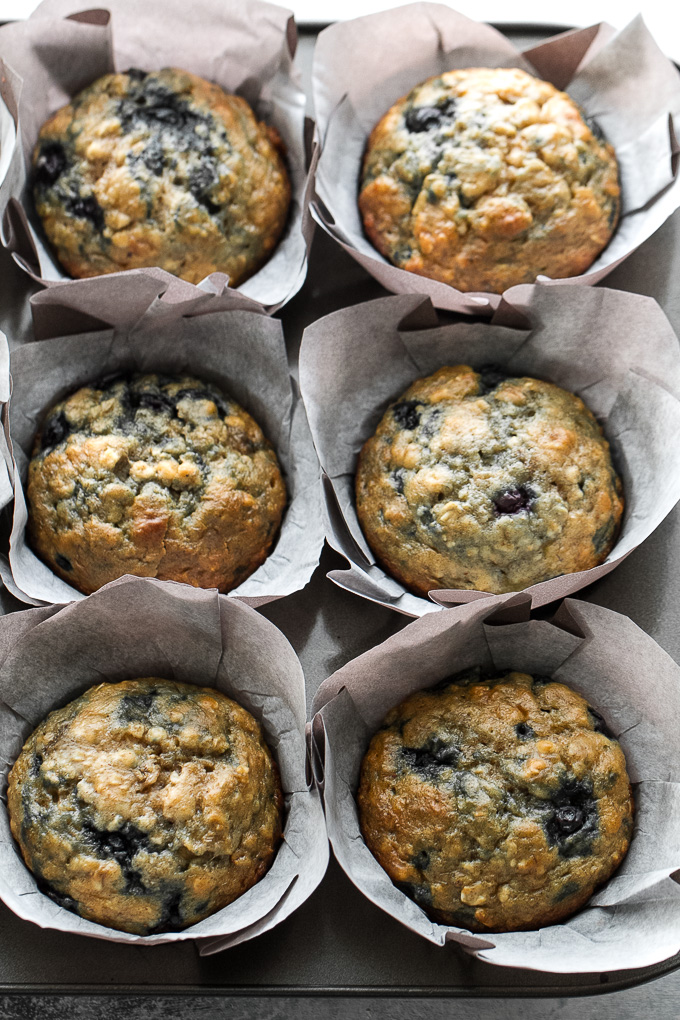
(201, 180)
(465, 202)
(595, 128)
(406, 414)
(398, 477)
(134, 707)
(430, 425)
(135, 74)
(171, 917)
(599, 725)
(524, 730)
(424, 118)
(421, 860)
(420, 893)
(63, 562)
(61, 899)
(222, 408)
(153, 401)
(514, 501)
(87, 208)
(36, 762)
(567, 890)
(50, 164)
(429, 760)
(490, 376)
(572, 825)
(56, 430)
(153, 158)
(603, 537)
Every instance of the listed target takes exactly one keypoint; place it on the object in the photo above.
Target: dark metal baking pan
(338, 943)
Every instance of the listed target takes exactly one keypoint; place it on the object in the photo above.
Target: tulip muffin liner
(615, 350)
(623, 81)
(631, 921)
(137, 627)
(246, 48)
(244, 354)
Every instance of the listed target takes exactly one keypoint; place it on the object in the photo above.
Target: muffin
(160, 169)
(478, 480)
(485, 178)
(146, 805)
(496, 802)
(156, 477)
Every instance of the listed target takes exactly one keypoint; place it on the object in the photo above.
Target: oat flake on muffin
(477, 480)
(160, 169)
(154, 476)
(485, 178)
(146, 805)
(496, 802)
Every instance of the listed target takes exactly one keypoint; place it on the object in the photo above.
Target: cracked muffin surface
(477, 480)
(146, 805)
(153, 476)
(160, 169)
(496, 802)
(485, 178)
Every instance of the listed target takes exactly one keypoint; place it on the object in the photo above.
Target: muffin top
(497, 802)
(482, 481)
(154, 476)
(484, 178)
(146, 805)
(160, 169)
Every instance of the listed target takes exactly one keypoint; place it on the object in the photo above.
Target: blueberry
(171, 916)
(87, 208)
(420, 893)
(55, 431)
(153, 158)
(490, 376)
(121, 845)
(424, 118)
(568, 819)
(63, 562)
(595, 128)
(36, 763)
(136, 707)
(599, 725)
(539, 681)
(573, 822)
(406, 415)
(398, 477)
(603, 537)
(421, 860)
(524, 730)
(514, 501)
(151, 401)
(135, 74)
(50, 163)
(201, 180)
(429, 760)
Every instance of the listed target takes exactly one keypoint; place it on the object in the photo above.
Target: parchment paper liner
(246, 47)
(623, 80)
(243, 353)
(633, 920)
(615, 350)
(143, 627)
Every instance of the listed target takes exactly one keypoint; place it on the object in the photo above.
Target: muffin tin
(338, 942)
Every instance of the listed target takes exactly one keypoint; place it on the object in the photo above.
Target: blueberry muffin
(477, 480)
(146, 805)
(156, 477)
(160, 169)
(487, 177)
(498, 803)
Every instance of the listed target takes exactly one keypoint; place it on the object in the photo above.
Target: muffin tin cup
(246, 48)
(631, 921)
(139, 627)
(623, 80)
(615, 350)
(241, 352)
